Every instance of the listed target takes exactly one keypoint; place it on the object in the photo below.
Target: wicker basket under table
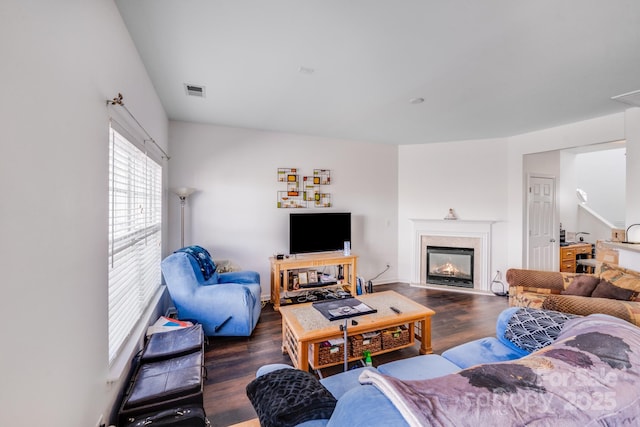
(358, 344)
(328, 353)
(395, 337)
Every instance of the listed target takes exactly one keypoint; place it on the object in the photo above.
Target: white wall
(60, 62)
(435, 177)
(566, 199)
(602, 175)
(632, 198)
(468, 176)
(601, 129)
(234, 213)
(592, 224)
(481, 179)
(598, 172)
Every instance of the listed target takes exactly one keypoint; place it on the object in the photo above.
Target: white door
(541, 224)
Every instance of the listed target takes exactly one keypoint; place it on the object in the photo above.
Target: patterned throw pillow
(606, 289)
(621, 278)
(582, 286)
(532, 329)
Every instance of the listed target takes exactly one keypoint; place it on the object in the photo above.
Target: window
(135, 212)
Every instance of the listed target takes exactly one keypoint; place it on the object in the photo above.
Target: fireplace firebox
(450, 266)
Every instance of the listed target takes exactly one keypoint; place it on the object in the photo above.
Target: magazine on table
(343, 308)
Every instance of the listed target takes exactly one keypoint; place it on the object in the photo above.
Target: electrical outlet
(617, 235)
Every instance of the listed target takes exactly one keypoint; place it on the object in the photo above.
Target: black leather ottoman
(164, 384)
(165, 345)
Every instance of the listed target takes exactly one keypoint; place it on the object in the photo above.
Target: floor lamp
(183, 193)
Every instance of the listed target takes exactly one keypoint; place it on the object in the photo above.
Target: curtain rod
(118, 100)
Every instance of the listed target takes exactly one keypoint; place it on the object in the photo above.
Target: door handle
(552, 240)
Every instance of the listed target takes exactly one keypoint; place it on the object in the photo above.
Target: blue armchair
(226, 304)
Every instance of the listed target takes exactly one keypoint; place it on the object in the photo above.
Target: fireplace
(458, 234)
(452, 266)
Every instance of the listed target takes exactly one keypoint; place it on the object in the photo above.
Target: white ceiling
(491, 68)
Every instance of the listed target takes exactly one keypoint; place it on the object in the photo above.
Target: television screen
(318, 232)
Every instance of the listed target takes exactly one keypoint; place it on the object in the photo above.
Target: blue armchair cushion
(203, 258)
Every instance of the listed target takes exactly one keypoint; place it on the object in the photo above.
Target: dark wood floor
(232, 361)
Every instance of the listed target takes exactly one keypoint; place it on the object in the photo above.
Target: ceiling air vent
(194, 90)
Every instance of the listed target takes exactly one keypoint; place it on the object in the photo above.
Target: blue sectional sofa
(542, 367)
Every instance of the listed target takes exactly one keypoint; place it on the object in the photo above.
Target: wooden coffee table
(304, 327)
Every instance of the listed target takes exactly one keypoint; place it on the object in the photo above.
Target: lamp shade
(183, 191)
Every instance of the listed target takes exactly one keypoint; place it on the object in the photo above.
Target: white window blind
(135, 211)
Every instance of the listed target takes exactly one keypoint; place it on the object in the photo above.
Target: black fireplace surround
(450, 266)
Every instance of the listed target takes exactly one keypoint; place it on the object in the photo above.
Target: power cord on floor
(380, 274)
(370, 281)
(497, 280)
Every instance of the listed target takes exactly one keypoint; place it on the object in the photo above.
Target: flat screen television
(318, 232)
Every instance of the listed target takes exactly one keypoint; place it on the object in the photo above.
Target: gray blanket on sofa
(589, 376)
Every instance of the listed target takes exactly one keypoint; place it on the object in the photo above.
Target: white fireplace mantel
(445, 223)
(479, 229)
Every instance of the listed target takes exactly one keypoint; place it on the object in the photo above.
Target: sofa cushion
(343, 382)
(530, 280)
(419, 367)
(582, 285)
(365, 406)
(606, 289)
(585, 306)
(621, 278)
(484, 350)
(519, 297)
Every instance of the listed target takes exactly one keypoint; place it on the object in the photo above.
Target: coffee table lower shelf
(318, 358)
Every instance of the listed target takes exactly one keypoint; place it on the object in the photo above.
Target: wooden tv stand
(280, 269)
